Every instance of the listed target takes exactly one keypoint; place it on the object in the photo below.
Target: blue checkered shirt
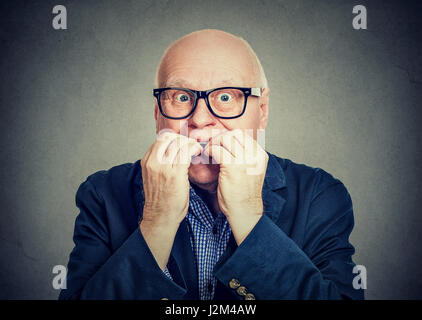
(209, 238)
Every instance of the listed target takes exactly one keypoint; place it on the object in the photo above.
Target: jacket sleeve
(270, 265)
(95, 272)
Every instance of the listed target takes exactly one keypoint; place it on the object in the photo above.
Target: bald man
(207, 213)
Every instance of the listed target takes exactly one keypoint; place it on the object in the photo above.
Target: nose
(202, 117)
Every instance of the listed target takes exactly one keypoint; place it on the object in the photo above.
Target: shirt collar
(201, 211)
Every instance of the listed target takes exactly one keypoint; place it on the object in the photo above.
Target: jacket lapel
(274, 181)
(182, 262)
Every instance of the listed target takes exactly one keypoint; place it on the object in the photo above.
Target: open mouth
(202, 158)
(203, 143)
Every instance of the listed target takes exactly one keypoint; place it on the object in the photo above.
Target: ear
(263, 108)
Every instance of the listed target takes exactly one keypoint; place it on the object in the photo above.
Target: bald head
(208, 52)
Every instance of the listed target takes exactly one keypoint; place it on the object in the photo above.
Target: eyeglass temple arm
(256, 92)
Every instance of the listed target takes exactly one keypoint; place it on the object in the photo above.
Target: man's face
(197, 64)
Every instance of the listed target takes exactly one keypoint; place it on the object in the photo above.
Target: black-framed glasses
(224, 102)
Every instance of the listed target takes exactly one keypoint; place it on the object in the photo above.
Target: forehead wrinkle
(188, 85)
(182, 77)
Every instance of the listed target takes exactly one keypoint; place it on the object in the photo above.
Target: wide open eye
(224, 97)
(182, 97)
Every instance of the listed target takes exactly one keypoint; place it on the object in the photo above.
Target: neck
(208, 194)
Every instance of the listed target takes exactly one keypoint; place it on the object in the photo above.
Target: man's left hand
(243, 164)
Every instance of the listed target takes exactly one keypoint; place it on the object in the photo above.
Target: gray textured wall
(77, 101)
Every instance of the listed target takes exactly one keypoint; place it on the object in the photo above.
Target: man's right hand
(166, 188)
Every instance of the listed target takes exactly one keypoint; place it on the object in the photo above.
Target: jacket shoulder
(117, 177)
(305, 175)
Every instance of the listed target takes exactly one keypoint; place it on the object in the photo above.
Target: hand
(165, 177)
(243, 166)
(166, 188)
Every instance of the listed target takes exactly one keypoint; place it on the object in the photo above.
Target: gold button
(164, 298)
(241, 291)
(234, 283)
(249, 296)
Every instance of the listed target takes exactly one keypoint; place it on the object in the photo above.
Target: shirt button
(249, 296)
(241, 291)
(234, 283)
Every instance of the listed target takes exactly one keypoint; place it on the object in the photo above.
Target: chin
(204, 175)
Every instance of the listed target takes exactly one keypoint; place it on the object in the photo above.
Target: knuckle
(150, 166)
(238, 132)
(165, 134)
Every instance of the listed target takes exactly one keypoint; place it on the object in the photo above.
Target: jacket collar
(274, 176)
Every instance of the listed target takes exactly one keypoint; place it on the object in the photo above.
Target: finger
(251, 147)
(161, 146)
(166, 134)
(221, 155)
(239, 135)
(186, 152)
(249, 143)
(145, 157)
(173, 148)
(232, 142)
(254, 153)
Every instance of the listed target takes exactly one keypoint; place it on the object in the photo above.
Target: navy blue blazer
(299, 249)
